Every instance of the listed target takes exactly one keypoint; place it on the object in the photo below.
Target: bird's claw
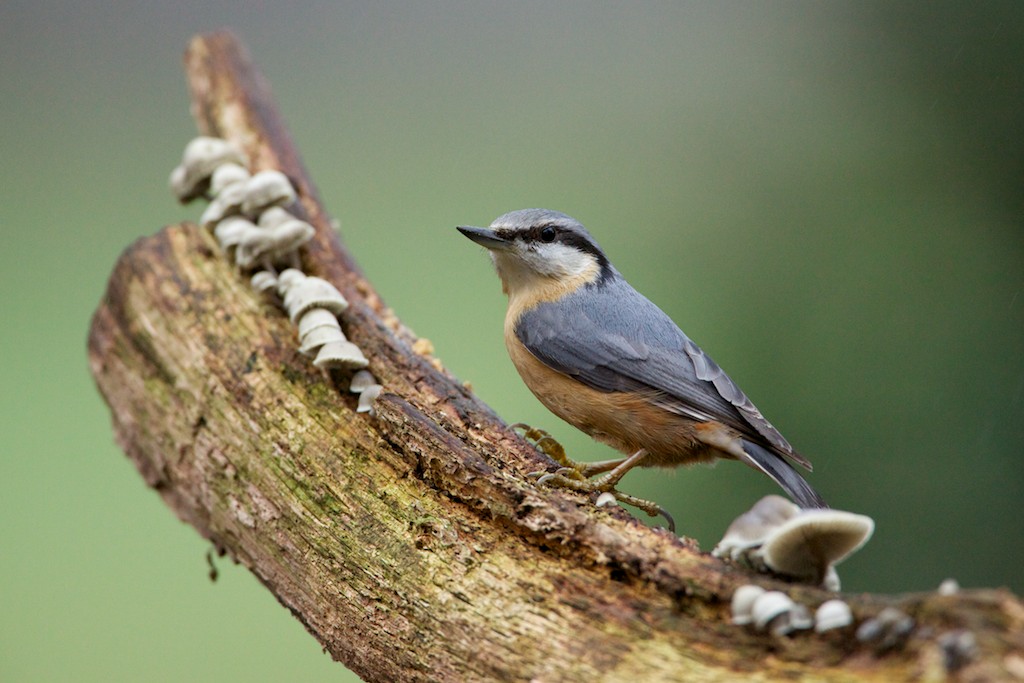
(574, 476)
(544, 442)
(560, 479)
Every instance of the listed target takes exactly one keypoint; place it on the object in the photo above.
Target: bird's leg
(574, 475)
(608, 481)
(547, 445)
(650, 507)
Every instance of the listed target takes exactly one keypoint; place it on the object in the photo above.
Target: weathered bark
(411, 544)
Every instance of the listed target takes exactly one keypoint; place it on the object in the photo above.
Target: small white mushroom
(229, 231)
(179, 183)
(292, 234)
(266, 189)
(888, 630)
(207, 153)
(367, 397)
(807, 545)
(606, 499)
(252, 244)
(317, 337)
(743, 603)
(263, 281)
(949, 587)
(341, 354)
(768, 606)
(201, 157)
(361, 381)
(317, 317)
(752, 528)
(227, 203)
(797, 618)
(313, 292)
(832, 614)
(273, 217)
(268, 246)
(288, 278)
(225, 175)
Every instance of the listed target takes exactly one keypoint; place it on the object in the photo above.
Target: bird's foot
(568, 478)
(576, 475)
(546, 444)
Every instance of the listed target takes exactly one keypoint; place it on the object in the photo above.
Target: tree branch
(410, 544)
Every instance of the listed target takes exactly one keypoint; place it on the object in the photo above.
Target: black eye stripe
(562, 235)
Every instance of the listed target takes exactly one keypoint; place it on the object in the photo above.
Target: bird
(604, 358)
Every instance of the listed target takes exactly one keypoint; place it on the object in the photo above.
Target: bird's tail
(784, 475)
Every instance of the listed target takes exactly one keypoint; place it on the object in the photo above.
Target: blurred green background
(827, 197)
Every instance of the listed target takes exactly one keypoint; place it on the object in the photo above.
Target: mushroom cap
(832, 614)
(225, 175)
(317, 337)
(290, 235)
(768, 606)
(742, 604)
(229, 232)
(288, 278)
(754, 526)
(797, 618)
(313, 292)
(807, 545)
(273, 217)
(265, 189)
(263, 281)
(317, 317)
(341, 354)
(367, 397)
(201, 158)
(227, 203)
(361, 381)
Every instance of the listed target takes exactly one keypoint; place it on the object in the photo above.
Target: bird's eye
(547, 234)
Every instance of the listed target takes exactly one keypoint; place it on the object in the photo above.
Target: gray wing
(612, 338)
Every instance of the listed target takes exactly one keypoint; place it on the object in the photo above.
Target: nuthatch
(602, 357)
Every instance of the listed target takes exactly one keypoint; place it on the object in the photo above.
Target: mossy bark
(410, 543)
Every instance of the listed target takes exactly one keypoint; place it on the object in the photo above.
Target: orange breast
(625, 421)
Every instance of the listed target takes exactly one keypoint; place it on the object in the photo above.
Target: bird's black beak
(485, 237)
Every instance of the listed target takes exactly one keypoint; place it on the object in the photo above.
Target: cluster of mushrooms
(249, 217)
(779, 538)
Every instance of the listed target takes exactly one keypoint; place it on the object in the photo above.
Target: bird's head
(538, 248)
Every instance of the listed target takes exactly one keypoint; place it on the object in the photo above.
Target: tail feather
(776, 467)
